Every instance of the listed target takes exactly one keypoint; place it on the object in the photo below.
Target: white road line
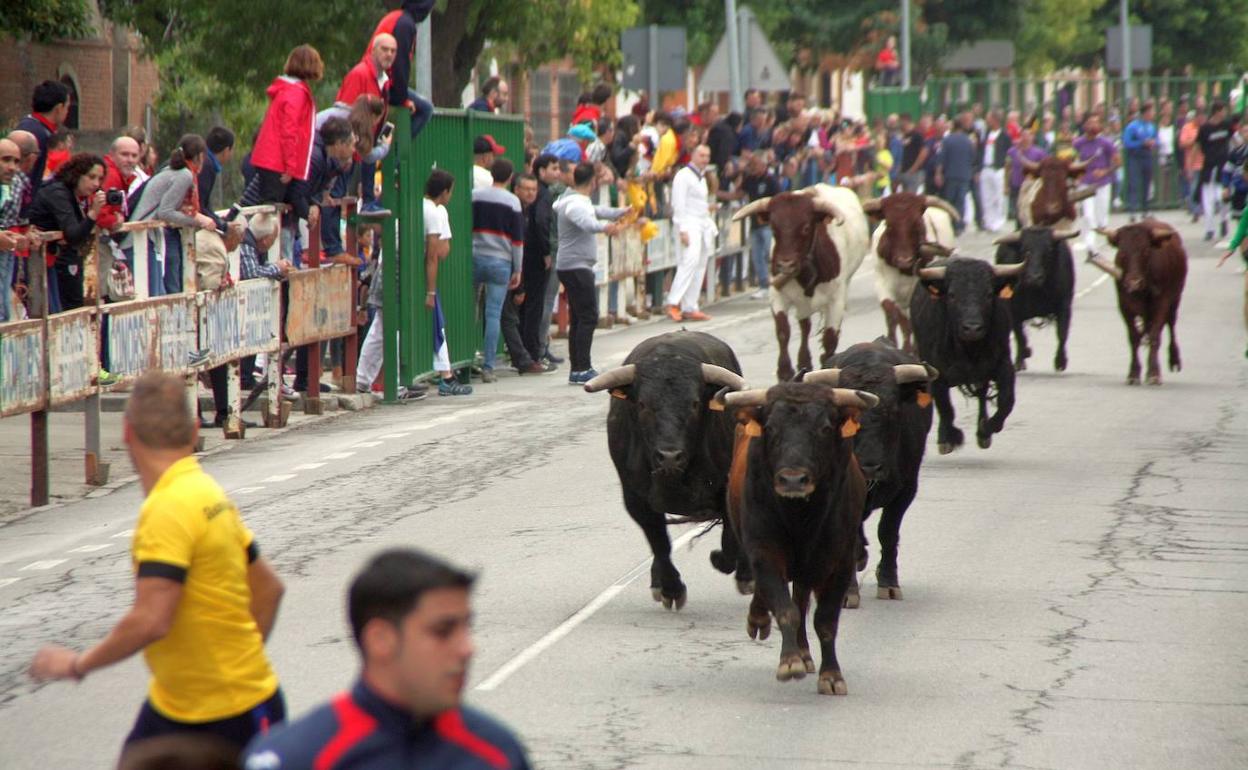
(278, 477)
(124, 533)
(8, 581)
(1084, 292)
(246, 490)
(395, 435)
(339, 455)
(89, 548)
(308, 467)
(366, 444)
(563, 629)
(45, 564)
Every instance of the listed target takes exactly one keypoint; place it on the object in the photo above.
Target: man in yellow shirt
(204, 599)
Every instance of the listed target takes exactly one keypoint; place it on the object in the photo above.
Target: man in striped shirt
(497, 252)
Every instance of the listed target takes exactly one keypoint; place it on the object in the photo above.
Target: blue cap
(582, 131)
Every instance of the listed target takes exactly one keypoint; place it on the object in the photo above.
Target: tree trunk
(456, 48)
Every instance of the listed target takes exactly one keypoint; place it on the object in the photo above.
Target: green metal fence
(1049, 94)
(882, 102)
(446, 143)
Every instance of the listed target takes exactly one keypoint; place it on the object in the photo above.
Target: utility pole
(1123, 21)
(652, 52)
(905, 43)
(424, 58)
(736, 96)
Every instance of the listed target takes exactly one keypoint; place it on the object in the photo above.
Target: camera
(114, 197)
(387, 130)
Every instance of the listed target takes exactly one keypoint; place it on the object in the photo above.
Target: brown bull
(1149, 271)
(1045, 199)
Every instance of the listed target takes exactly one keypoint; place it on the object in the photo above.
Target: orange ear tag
(753, 428)
(1006, 292)
(924, 399)
(714, 406)
(933, 291)
(849, 428)
(617, 393)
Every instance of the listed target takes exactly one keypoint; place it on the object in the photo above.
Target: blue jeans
(955, 192)
(331, 218)
(6, 285)
(1139, 177)
(760, 253)
(155, 274)
(495, 274)
(173, 261)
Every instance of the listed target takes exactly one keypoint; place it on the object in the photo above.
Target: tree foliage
(44, 20)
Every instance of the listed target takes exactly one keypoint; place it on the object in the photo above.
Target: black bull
(889, 443)
(796, 502)
(1046, 288)
(962, 327)
(672, 445)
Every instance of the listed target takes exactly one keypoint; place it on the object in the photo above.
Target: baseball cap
(583, 132)
(485, 143)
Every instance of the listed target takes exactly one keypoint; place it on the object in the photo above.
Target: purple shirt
(1099, 153)
(1017, 155)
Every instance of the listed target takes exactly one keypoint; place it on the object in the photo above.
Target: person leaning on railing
(70, 203)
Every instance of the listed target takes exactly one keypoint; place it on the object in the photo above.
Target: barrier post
(393, 199)
(38, 299)
(95, 469)
(312, 395)
(351, 343)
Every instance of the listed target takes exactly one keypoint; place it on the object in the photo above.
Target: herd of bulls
(793, 471)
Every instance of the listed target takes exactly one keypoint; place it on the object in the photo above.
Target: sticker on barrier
(151, 334)
(321, 306)
(243, 320)
(21, 367)
(73, 355)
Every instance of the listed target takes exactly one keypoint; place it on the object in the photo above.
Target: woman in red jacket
(283, 149)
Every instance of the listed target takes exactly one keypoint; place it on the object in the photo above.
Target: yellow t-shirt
(212, 663)
(666, 154)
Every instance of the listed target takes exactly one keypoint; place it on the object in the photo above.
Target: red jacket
(284, 144)
(113, 180)
(361, 80)
(587, 113)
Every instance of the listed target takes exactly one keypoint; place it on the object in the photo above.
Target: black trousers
(583, 307)
(70, 285)
(531, 312)
(237, 730)
(265, 187)
(509, 325)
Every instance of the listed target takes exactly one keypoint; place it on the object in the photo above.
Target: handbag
(120, 282)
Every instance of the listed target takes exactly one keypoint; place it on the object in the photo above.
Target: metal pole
(1126, 56)
(905, 43)
(424, 58)
(652, 52)
(736, 94)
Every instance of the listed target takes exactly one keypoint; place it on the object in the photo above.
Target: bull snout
(971, 331)
(670, 460)
(794, 482)
(872, 470)
(1134, 284)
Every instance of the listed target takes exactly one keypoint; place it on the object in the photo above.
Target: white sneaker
(760, 294)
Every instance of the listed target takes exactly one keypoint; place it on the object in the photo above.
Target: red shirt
(887, 59)
(113, 180)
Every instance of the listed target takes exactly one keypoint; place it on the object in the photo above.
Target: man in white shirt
(691, 215)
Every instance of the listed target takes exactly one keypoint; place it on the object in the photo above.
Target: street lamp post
(905, 43)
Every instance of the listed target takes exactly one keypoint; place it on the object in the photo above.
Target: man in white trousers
(996, 144)
(1102, 157)
(691, 215)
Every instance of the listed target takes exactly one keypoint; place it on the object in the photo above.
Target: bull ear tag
(617, 393)
(1006, 292)
(923, 398)
(933, 291)
(849, 428)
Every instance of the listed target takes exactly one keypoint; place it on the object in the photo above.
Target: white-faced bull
(962, 327)
(889, 443)
(914, 229)
(672, 445)
(1149, 273)
(820, 239)
(1047, 287)
(796, 502)
(1045, 197)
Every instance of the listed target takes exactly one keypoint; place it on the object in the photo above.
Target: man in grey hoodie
(579, 221)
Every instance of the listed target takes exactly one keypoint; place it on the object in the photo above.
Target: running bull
(1046, 288)
(671, 444)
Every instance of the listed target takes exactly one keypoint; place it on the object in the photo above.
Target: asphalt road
(1074, 596)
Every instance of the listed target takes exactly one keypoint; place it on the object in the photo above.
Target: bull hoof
(791, 667)
(722, 563)
(676, 600)
(1020, 365)
(808, 661)
(888, 592)
(945, 449)
(745, 587)
(758, 629)
(656, 593)
(1133, 379)
(1154, 379)
(1059, 364)
(852, 599)
(984, 440)
(832, 683)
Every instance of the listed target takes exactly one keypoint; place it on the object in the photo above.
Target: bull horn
(1081, 194)
(1079, 166)
(612, 378)
(1066, 234)
(828, 208)
(1111, 235)
(858, 399)
(935, 201)
(830, 377)
(1114, 271)
(931, 250)
(1161, 230)
(1009, 271)
(905, 374)
(718, 375)
(1013, 237)
(932, 273)
(753, 207)
(744, 398)
(872, 206)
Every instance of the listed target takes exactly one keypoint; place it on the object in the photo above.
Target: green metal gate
(446, 143)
